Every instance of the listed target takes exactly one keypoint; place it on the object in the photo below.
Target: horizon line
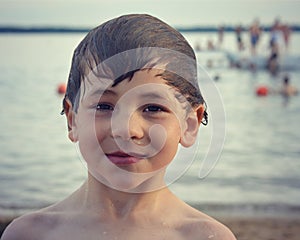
(72, 29)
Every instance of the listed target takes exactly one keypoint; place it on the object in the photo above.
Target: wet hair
(135, 31)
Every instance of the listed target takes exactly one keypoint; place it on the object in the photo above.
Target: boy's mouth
(121, 158)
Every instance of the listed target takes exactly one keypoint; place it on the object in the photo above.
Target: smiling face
(129, 133)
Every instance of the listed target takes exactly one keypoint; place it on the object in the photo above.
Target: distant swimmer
(220, 36)
(276, 35)
(275, 46)
(273, 60)
(210, 45)
(286, 31)
(197, 47)
(255, 32)
(238, 33)
(287, 89)
(280, 34)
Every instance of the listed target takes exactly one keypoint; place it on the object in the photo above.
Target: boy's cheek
(89, 143)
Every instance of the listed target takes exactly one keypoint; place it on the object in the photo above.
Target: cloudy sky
(88, 13)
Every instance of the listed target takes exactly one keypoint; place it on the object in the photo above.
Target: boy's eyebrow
(153, 95)
(149, 95)
(100, 92)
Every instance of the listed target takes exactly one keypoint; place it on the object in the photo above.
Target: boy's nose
(127, 126)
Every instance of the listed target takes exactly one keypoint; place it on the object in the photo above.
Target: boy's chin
(130, 182)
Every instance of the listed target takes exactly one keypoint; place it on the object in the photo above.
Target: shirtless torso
(78, 218)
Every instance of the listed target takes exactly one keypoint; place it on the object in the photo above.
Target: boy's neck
(100, 198)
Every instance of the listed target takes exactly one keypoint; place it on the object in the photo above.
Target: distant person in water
(210, 45)
(255, 32)
(239, 39)
(220, 36)
(286, 31)
(273, 60)
(276, 35)
(275, 45)
(197, 47)
(287, 89)
(280, 35)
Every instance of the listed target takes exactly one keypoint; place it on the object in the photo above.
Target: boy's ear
(70, 115)
(191, 126)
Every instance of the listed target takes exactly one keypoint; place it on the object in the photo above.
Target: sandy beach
(246, 228)
(264, 228)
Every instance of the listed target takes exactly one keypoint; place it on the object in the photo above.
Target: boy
(132, 97)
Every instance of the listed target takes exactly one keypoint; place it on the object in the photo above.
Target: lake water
(259, 164)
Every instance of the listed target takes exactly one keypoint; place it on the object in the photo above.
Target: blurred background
(248, 48)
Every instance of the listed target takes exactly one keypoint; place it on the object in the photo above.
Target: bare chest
(114, 233)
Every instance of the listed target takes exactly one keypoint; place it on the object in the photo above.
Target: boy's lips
(121, 158)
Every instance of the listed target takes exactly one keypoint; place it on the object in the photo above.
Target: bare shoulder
(198, 226)
(210, 229)
(42, 224)
(30, 226)
(198, 229)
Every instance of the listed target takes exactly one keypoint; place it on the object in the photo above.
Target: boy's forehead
(94, 84)
(104, 73)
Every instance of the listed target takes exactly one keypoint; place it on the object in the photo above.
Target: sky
(178, 13)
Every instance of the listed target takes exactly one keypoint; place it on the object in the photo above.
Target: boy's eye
(104, 107)
(154, 108)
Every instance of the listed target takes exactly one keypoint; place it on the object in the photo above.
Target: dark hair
(286, 79)
(141, 32)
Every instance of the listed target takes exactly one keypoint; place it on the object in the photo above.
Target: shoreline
(263, 228)
(265, 223)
